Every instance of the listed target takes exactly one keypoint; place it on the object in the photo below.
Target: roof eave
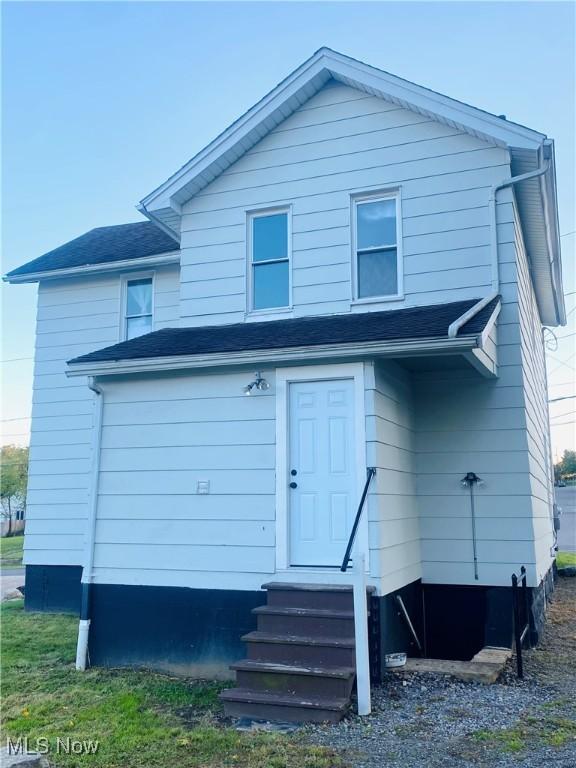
(172, 257)
(550, 196)
(403, 348)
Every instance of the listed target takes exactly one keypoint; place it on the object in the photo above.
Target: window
(376, 245)
(138, 307)
(269, 260)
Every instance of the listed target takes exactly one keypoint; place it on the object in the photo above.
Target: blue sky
(102, 101)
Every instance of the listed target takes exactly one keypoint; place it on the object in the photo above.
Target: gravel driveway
(425, 721)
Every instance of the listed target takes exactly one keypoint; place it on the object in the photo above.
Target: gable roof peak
(163, 204)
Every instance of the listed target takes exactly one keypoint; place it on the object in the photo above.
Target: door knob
(293, 485)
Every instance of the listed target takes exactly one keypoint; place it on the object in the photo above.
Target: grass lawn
(542, 727)
(565, 558)
(140, 719)
(11, 550)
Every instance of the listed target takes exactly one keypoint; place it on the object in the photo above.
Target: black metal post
(517, 627)
(525, 601)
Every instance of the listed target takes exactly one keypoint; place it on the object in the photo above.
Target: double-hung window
(269, 256)
(376, 245)
(138, 307)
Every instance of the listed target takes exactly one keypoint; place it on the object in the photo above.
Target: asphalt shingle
(102, 245)
(401, 324)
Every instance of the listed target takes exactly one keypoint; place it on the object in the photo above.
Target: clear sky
(103, 101)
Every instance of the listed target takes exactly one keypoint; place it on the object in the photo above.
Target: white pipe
(82, 644)
(469, 314)
(361, 635)
(84, 625)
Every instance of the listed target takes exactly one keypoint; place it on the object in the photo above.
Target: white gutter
(173, 257)
(334, 351)
(463, 319)
(84, 624)
(141, 208)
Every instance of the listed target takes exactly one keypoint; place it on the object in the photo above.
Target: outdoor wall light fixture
(258, 383)
(469, 481)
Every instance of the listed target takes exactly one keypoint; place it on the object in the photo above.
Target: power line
(566, 413)
(562, 362)
(572, 232)
(562, 384)
(16, 359)
(566, 397)
(18, 418)
(562, 423)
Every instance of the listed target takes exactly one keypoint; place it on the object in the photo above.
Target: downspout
(84, 624)
(553, 507)
(473, 311)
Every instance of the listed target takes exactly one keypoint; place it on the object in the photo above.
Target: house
(372, 263)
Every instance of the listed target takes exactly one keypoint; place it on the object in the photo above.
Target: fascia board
(91, 269)
(328, 351)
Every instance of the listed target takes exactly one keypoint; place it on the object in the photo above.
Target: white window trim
(355, 200)
(125, 279)
(269, 312)
(284, 377)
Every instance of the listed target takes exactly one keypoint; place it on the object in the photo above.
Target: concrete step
(474, 671)
(327, 682)
(239, 702)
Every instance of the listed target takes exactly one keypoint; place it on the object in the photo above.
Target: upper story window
(376, 247)
(138, 307)
(269, 255)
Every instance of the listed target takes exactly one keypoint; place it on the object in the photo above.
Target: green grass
(542, 728)
(565, 558)
(140, 719)
(11, 550)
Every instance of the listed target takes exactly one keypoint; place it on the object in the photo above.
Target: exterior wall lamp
(469, 481)
(259, 383)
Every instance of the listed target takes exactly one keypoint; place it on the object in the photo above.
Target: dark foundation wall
(395, 636)
(53, 588)
(197, 632)
(455, 622)
(193, 632)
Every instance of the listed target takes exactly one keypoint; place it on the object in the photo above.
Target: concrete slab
(25, 760)
(485, 667)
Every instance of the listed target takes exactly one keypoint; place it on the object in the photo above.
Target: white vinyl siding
(342, 143)
(529, 335)
(160, 437)
(392, 508)
(465, 423)
(74, 316)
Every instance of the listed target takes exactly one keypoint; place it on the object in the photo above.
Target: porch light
(258, 383)
(471, 479)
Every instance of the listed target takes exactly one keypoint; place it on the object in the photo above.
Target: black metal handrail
(522, 627)
(370, 472)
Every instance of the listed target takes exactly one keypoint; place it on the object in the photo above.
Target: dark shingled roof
(412, 323)
(103, 245)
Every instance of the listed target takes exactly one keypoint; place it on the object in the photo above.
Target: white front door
(321, 467)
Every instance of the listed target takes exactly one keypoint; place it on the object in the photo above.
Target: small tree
(13, 481)
(566, 468)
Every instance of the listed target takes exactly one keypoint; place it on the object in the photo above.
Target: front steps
(301, 659)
